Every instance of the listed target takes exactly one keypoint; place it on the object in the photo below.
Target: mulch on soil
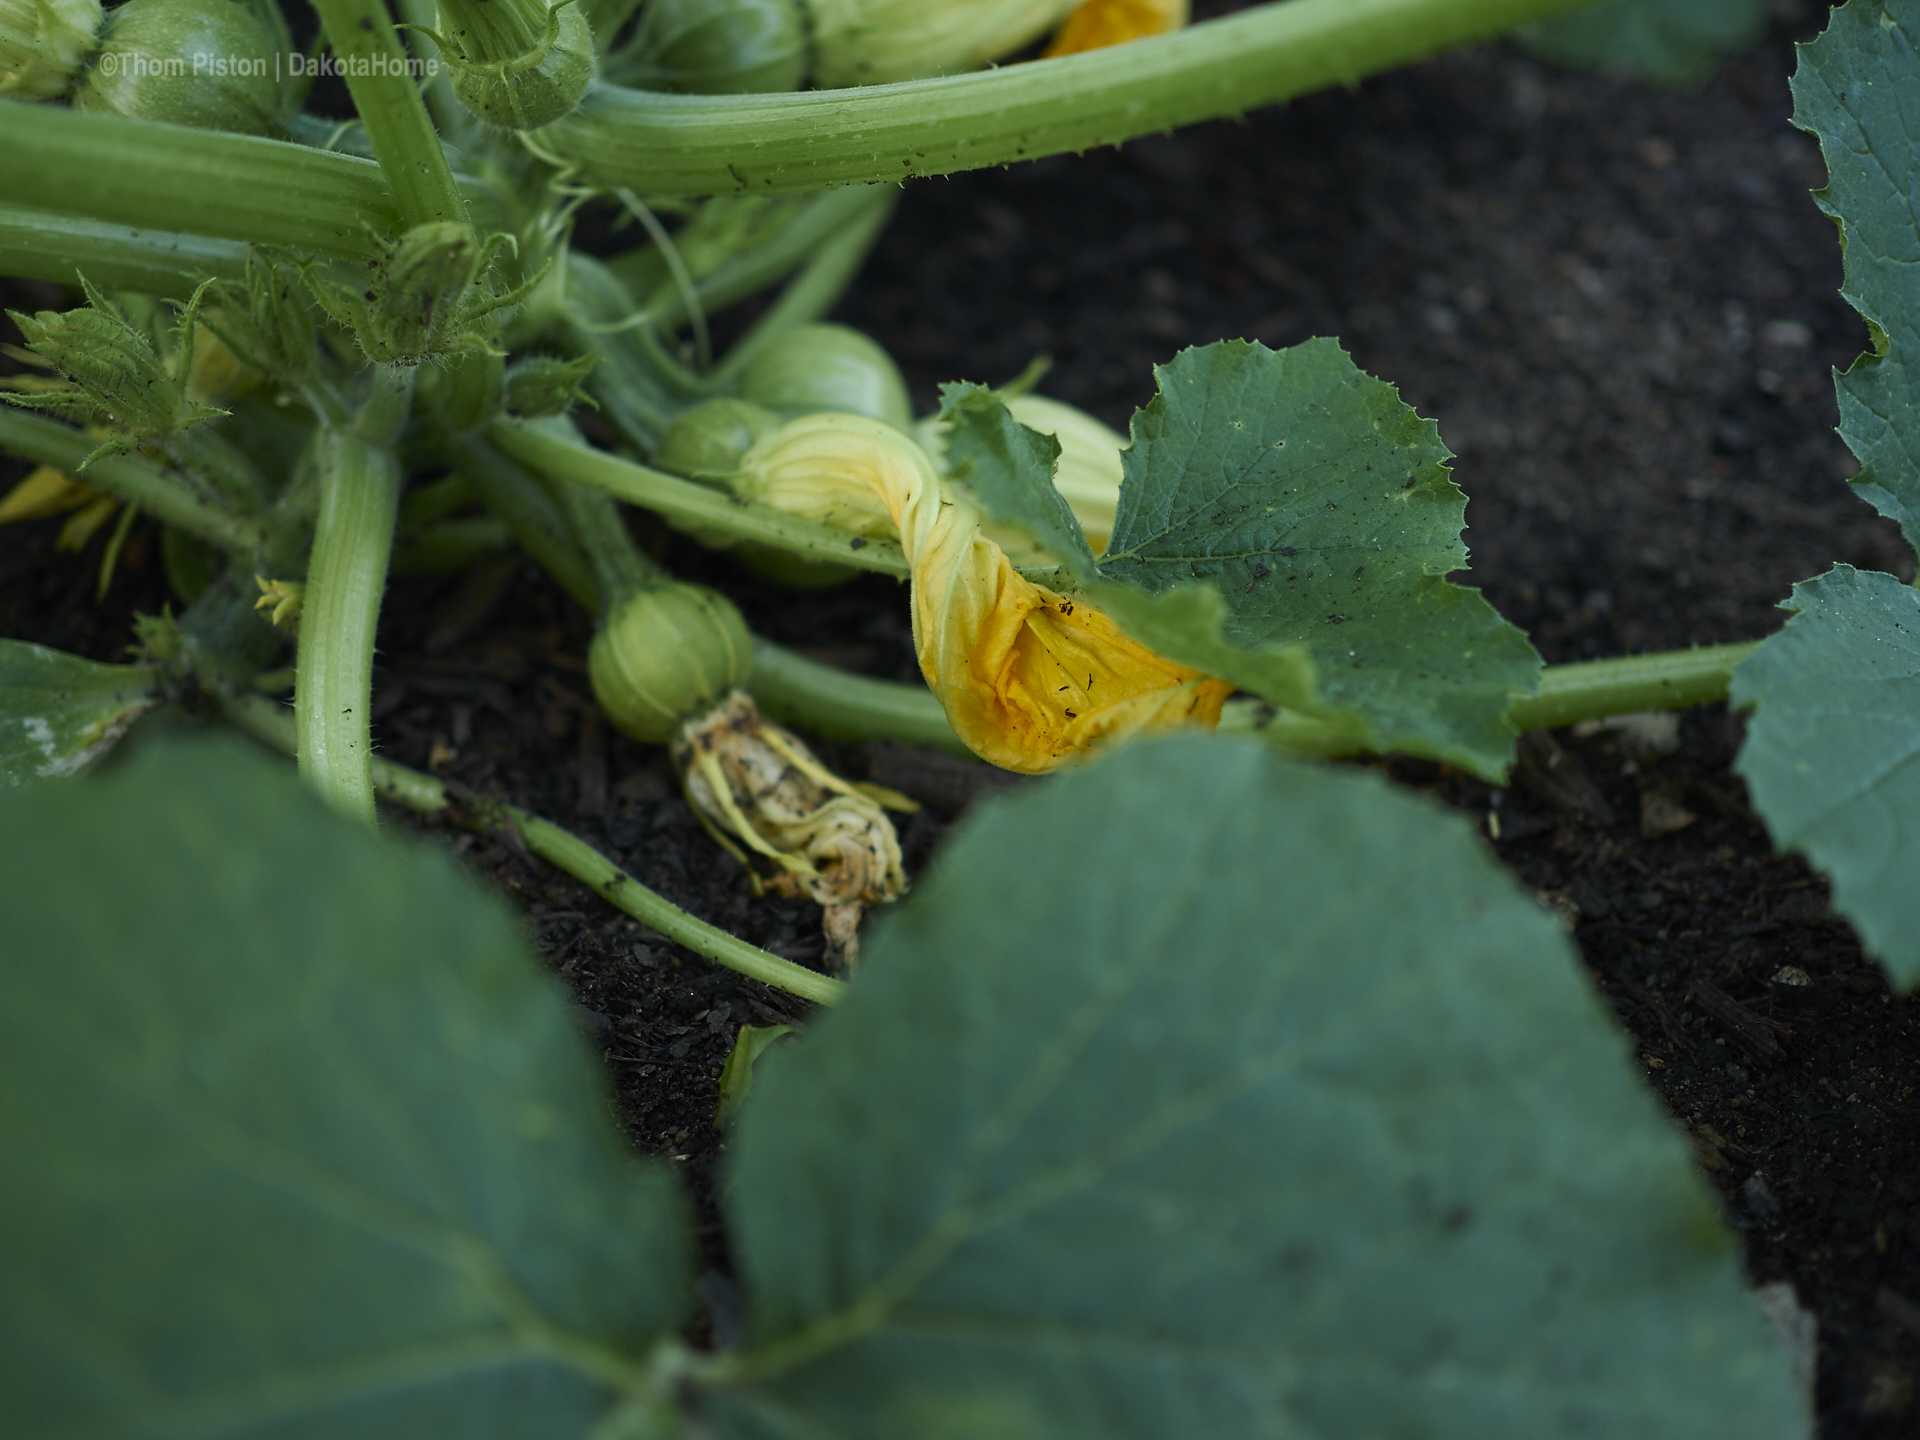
(1620, 306)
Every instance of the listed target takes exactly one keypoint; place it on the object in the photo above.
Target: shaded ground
(1621, 308)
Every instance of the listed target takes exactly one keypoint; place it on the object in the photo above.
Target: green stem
(203, 182)
(1595, 689)
(333, 686)
(388, 100)
(40, 246)
(824, 221)
(814, 291)
(619, 567)
(695, 505)
(164, 495)
(270, 721)
(519, 498)
(841, 706)
(712, 145)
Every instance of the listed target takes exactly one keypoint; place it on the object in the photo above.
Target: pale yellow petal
(43, 494)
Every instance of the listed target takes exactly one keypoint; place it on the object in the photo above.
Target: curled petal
(1029, 678)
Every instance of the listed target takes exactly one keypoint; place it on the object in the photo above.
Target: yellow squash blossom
(1100, 23)
(1029, 678)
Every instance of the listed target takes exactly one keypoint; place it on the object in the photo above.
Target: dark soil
(1620, 305)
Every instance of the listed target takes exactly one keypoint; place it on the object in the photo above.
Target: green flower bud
(667, 652)
(264, 319)
(708, 441)
(204, 63)
(717, 47)
(542, 385)
(114, 370)
(425, 295)
(869, 42)
(815, 368)
(517, 64)
(42, 43)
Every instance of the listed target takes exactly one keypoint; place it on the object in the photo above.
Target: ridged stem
(388, 101)
(764, 144)
(346, 576)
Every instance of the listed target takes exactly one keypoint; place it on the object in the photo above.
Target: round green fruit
(828, 368)
(667, 652)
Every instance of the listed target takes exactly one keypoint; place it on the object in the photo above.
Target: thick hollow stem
(682, 500)
(161, 493)
(388, 99)
(333, 684)
(269, 721)
(40, 246)
(204, 182)
(764, 144)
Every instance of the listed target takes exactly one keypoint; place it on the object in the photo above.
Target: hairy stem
(333, 684)
(619, 567)
(764, 144)
(683, 501)
(270, 721)
(165, 495)
(385, 95)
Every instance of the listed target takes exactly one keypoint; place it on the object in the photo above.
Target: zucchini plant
(1131, 1120)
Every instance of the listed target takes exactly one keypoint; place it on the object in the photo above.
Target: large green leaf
(1832, 754)
(299, 1142)
(1858, 89)
(1317, 504)
(1204, 1093)
(59, 713)
(1678, 43)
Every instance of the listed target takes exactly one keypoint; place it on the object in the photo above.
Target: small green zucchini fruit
(43, 43)
(870, 42)
(205, 63)
(717, 47)
(828, 368)
(665, 652)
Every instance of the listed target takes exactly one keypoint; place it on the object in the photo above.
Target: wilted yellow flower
(759, 790)
(1099, 23)
(1029, 678)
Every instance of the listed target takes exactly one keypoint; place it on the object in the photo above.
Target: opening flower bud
(666, 652)
(717, 47)
(517, 64)
(210, 64)
(816, 368)
(42, 45)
